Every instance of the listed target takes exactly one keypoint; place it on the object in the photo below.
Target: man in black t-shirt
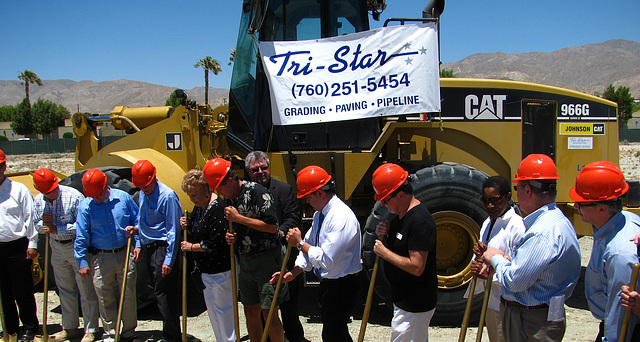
(409, 254)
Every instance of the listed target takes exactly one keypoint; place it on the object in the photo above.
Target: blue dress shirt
(159, 219)
(101, 225)
(612, 258)
(545, 262)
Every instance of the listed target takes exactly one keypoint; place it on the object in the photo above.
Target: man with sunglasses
(502, 229)
(598, 195)
(409, 254)
(256, 241)
(55, 209)
(545, 265)
(257, 165)
(331, 248)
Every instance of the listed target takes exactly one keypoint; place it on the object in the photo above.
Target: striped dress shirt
(63, 210)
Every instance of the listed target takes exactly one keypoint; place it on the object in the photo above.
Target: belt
(348, 276)
(64, 242)
(254, 255)
(522, 307)
(7, 243)
(115, 250)
(158, 243)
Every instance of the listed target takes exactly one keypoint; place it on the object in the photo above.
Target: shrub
(67, 135)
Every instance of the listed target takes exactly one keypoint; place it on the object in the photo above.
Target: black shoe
(27, 336)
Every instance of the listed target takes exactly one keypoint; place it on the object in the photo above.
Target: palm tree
(208, 64)
(29, 77)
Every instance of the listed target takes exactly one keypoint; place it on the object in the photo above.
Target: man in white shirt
(18, 243)
(331, 248)
(502, 229)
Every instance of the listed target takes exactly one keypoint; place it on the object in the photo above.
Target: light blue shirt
(159, 219)
(335, 243)
(545, 262)
(101, 225)
(63, 211)
(612, 258)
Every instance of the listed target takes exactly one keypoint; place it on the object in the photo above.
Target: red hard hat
(3, 158)
(44, 180)
(310, 179)
(215, 170)
(93, 182)
(142, 173)
(599, 181)
(386, 179)
(536, 166)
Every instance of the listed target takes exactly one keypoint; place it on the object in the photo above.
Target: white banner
(386, 71)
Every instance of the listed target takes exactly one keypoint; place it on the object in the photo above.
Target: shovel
(45, 337)
(467, 311)
(485, 305)
(5, 336)
(124, 287)
(184, 285)
(367, 306)
(283, 269)
(627, 312)
(234, 287)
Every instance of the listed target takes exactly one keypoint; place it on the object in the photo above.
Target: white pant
(218, 296)
(410, 326)
(70, 283)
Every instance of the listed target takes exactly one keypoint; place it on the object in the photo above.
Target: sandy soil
(581, 326)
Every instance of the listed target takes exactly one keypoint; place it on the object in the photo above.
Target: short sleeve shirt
(254, 201)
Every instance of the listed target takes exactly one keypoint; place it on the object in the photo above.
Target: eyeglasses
(258, 168)
(384, 201)
(585, 204)
(494, 200)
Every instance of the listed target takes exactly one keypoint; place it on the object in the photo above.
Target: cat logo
(489, 107)
(174, 141)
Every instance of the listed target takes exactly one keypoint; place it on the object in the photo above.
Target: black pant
(289, 309)
(17, 286)
(337, 300)
(167, 290)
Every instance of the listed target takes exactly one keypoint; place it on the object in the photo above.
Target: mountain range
(588, 68)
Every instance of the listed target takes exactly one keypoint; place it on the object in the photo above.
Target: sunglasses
(494, 200)
(386, 200)
(258, 168)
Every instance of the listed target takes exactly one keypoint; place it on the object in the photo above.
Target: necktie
(320, 219)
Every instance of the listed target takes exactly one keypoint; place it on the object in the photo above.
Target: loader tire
(451, 192)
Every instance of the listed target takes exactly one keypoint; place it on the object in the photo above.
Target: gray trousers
(530, 325)
(70, 284)
(108, 275)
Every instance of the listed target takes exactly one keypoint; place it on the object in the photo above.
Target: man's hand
(131, 230)
(47, 223)
(479, 269)
(379, 248)
(84, 272)
(636, 239)
(166, 269)
(231, 238)
(32, 253)
(479, 248)
(382, 228)
(490, 253)
(630, 300)
(231, 213)
(137, 254)
(294, 236)
(287, 277)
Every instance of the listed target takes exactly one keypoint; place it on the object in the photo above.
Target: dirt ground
(581, 326)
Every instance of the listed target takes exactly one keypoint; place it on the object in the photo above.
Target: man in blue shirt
(159, 229)
(597, 195)
(100, 249)
(545, 266)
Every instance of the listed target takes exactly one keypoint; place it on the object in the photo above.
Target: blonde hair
(194, 179)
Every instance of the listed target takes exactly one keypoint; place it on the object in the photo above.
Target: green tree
(232, 58)
(177, 98)
(208, 64)
(625, 102)
(27, 77)
(22, 122)
(6, 113)
(47, 115)
(447, 74)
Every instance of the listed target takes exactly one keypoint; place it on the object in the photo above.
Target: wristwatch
(300, 245)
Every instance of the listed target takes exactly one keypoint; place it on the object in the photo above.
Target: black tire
(451, 192)
(120, 178)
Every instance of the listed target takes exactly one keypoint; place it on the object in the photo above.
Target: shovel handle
(467, 311)
(184, 284)
(234, 287)
(124, 287)
(627, 312)
(485, 305)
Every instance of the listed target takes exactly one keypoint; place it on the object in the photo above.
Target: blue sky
(159, 41)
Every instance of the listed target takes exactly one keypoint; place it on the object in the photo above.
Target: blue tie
(320, 219)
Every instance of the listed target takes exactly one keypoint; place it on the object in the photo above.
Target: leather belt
(115, 250)
(158, 243)
(517, 305)
(64, 242)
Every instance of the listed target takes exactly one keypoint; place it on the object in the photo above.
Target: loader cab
(250, 121)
